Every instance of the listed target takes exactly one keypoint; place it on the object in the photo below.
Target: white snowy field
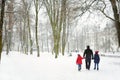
(18, 66)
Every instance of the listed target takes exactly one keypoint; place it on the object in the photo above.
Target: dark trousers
(79, 67)
(96, 65)
(88, 62)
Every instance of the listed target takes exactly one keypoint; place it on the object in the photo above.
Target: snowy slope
(18, 66)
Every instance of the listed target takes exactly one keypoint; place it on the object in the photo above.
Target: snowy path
(23, 67)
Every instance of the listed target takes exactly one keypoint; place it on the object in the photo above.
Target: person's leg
(86, 64)
(97, 66)
(89, 63)
(79, 67)
(94, 66)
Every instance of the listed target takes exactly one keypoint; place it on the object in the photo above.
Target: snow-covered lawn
(18, 66)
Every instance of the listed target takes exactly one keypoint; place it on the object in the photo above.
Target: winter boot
(97, 68)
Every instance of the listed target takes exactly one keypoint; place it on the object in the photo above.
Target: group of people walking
(88, 56)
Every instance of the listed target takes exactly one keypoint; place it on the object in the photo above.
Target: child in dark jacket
(79, 61)
(96, 60)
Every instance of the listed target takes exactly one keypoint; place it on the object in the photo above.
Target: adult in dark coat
(88, 55)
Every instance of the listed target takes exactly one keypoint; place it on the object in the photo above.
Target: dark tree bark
(116, 16)
(64, 35)
(1, 24)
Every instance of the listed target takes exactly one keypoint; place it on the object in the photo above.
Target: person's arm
(84, 54)
(77, 61)
(92, 54)
(99, 57)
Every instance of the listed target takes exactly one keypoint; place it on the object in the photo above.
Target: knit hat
(78, 54)
(96, 52)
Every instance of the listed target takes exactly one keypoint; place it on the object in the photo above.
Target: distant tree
(27, 7)
(10, 16)
(101, 5)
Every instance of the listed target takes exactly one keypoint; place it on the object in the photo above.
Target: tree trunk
(64, 36)
(47, 41)
(10, 25)
(1, 24)
(56, 20)
(27, 13)
(116, 16)
(29, 29)
(36, 27)
(56, 44)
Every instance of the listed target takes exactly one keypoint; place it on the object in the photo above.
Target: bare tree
(1, 23)
(116, 13)
(64, 35)
(27, 6)
(116, 17)
(10, 15)
(38, 5)
(101, 5)
(56, 17)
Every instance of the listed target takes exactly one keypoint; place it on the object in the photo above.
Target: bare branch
(11, 11)
(87, 8)
(103, 11)
(107, 15)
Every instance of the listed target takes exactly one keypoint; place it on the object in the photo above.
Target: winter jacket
(79, 60)
(88, 54)
(96, 58)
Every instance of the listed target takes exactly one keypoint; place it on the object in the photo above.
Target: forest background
(59, 26)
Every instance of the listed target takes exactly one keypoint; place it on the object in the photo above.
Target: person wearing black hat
(88, 55)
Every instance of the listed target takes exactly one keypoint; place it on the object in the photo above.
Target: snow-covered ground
(18, 66)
